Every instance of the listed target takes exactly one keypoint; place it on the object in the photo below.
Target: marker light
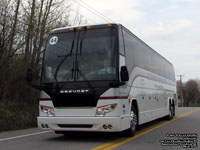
(53, 31)
(109, 25)
(88, 27)
(71, 29)
(80, 28)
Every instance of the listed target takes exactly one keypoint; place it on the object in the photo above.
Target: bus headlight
(47, 110)
(102, 110)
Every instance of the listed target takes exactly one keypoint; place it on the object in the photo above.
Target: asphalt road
(182, 131)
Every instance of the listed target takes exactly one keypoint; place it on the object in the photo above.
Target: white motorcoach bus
(103, 78)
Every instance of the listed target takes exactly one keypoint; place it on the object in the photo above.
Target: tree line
(24, 27)
(189, 92)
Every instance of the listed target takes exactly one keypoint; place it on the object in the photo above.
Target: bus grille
(75, 125)
(74, 100)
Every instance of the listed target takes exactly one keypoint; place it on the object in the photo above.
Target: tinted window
(141, 55)
(121, 42)
(93, 59)
(129, 45)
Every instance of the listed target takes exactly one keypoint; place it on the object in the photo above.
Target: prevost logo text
(75, 91)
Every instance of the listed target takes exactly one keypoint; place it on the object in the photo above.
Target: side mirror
(124, 73)
(29, 75)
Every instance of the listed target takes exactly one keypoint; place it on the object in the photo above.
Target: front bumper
(95, 124)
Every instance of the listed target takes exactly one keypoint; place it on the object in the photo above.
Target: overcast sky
(171, 27)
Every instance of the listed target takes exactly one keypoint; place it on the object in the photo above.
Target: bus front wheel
(133, 123)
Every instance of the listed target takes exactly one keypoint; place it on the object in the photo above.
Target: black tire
(133, 123)
(171, 112)
(174, 110)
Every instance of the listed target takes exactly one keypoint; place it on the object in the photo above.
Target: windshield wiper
(79, 48)
(76, 64)
(82, 38)
(64, 58)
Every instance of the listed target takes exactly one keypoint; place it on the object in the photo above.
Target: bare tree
(24, 28)
(191, 92)
(8, 45)
(13, 30)
(29, 31)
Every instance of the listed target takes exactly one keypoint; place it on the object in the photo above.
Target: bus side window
(129, 49)
(121, 42)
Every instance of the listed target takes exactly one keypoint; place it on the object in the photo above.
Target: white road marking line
(21, 136)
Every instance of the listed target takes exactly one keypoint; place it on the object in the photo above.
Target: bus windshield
(80, 55)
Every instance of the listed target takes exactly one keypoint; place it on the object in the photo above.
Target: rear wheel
(133, 123)
(171, 112)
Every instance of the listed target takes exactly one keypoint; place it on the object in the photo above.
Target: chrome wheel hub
(133, 120)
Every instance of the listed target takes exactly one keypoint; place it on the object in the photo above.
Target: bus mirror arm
(29, 79)
(124, 77)
(124, 74)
